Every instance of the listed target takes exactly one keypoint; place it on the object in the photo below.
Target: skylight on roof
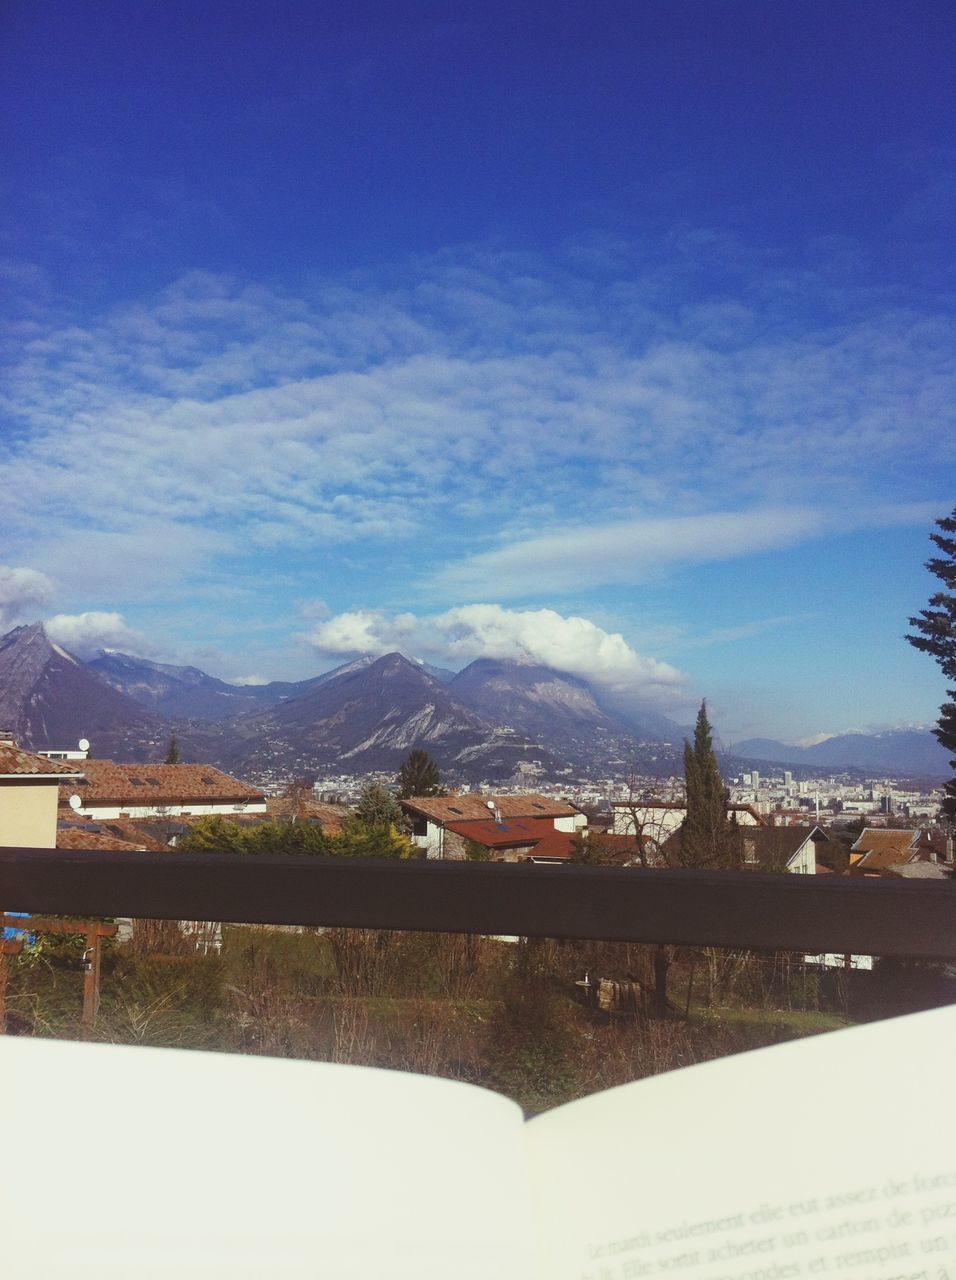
(452, 809)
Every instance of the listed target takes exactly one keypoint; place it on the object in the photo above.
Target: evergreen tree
(419, 776)
(937, 636)
(172, 751)
(377, 807)
(706, 837)
(218, 835)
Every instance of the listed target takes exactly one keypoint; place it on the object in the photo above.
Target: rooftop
(17, 763)
(154, 785)
(474, 807)
(878, 848)
(75, 836)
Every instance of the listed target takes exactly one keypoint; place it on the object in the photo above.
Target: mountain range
(917, 749)
(487, 722)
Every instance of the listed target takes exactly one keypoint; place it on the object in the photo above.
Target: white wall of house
(804, 861)
(659, 821)
(834, 960)
(573, 822)
(184, 808)
(432, 841)
(653, 820)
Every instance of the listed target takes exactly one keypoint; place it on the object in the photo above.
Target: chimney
(6, 738)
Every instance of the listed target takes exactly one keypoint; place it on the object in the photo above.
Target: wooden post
(95, 931)
(90, 976)
(8, 947)
(690, 987)
(660, 980)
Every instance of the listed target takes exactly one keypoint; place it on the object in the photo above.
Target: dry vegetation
(507, 1015)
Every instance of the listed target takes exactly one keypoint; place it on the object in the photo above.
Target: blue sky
(615, 335)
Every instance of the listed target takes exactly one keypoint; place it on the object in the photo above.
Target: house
(29, 788)
(656, 820)
(935, 844)
(107, 789)
(607, 849)
(798, 850)
(908, 852)
(512, 839)
(877, 850)
(436, 821)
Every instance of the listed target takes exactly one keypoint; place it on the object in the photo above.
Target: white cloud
(23, 593)
(629, 552)
(362, 631)
(85, 634)
(457, 636)
(483, 396)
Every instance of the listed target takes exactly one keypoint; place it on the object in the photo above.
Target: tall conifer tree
(419, 776)
(707, 838)
(937, 636)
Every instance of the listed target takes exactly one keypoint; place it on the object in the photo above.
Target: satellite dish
(490, 804)
(83, 744)
(75, 803)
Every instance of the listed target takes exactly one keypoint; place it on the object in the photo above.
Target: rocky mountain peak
(49, 698)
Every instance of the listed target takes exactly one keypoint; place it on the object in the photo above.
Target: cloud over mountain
(85, 634)
(571, 644)
(23, 593)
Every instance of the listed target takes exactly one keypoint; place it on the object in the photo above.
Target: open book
(831, 1157)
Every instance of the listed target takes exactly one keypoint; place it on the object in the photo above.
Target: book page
(831, 1157)
(167, 1163)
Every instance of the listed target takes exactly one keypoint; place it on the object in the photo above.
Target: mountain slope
(186, 693)
(531, 698)
(366, 715)
(50, 699)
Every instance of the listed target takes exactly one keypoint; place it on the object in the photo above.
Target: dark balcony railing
(885, 917)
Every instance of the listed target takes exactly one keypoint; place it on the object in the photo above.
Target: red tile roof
(556, 844)
(509, 834)
(618, 849)
(474, 807)
(144, 833)
(155, 785)
(17, 763)
(78, 838)
(884, 847)
(536, 834)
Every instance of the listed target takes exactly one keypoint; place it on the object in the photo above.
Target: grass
(798, 1022)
